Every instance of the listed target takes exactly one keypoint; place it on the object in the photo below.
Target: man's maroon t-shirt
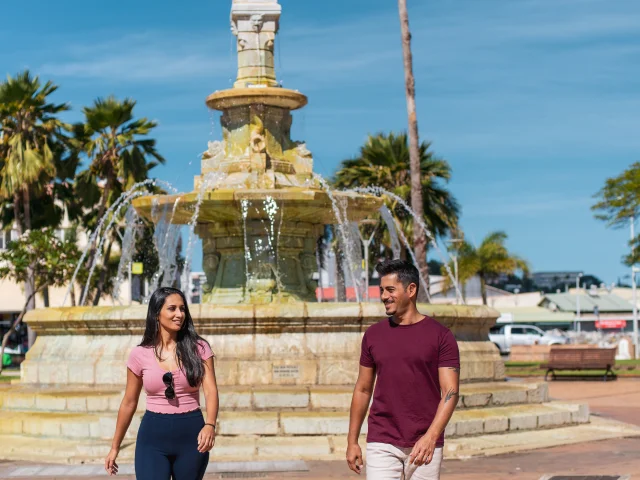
(407, 391)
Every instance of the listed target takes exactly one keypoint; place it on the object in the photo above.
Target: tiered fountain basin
(298, 204)
(259, 95)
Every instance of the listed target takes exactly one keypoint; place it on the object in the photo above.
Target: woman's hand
(110, 464)
(206, 438)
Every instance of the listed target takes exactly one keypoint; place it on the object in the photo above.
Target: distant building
(551, 280)
(599, 309)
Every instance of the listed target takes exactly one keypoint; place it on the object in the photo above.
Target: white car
(504, 336)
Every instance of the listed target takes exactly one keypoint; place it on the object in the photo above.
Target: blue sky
(533, 102)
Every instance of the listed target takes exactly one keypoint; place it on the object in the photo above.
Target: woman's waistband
(169, 415)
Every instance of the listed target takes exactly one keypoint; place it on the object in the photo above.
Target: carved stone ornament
(257, 21)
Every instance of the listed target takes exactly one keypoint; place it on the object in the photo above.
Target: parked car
(504, 336)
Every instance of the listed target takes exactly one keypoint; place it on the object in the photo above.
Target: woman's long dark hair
(187, 349)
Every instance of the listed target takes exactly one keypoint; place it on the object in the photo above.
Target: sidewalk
(619, 400)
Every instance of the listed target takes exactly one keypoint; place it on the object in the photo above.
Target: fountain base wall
(272, 344)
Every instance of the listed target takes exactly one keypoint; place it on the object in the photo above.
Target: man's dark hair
(405, 271)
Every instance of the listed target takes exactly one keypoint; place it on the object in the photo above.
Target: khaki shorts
(386, 462)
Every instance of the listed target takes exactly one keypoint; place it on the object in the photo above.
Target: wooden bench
(588, 358)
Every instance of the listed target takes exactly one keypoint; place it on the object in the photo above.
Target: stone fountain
(285, 363)
(260, 209)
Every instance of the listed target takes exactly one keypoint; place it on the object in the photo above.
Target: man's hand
(354, 458)
(422, 452)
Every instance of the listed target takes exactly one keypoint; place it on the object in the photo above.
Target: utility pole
(578, 302)
(634, 300)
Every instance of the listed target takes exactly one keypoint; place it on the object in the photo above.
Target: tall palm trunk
(16, 212)
(26, 206)
(103, 274)
(30, 284)
(483, 288)
(341, 284)
(102, 208)
(419, 238)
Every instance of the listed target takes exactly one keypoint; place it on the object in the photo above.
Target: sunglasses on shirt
(170, 393)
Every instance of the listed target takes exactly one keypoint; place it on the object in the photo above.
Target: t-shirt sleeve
(448, 354)
(134, 363)
(366, 359)
(204, 349)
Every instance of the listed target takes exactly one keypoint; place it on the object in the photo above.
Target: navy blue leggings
(167, 447)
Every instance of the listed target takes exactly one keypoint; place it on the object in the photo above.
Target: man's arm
(422, 452)
(359, 405)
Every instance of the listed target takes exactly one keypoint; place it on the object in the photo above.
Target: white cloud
(148, 57)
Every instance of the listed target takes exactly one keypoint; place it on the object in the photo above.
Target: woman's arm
(206, 438)
(127, 409)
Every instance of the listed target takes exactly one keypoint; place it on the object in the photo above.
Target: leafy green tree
(618, 203)
(120, 154)
(37, 254)
(30, 136)
(488, 261)
(384, 161)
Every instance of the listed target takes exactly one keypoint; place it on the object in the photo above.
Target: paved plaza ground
(618, 400)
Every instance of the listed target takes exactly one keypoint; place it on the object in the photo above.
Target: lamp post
(365, 244)
(578, 301)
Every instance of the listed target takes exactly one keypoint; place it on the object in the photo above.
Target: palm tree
(384, 161)
(119, 151)
(29, 129)
(30, 133)
(417, 201)
(487, 261)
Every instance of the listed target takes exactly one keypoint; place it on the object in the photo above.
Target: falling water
(98, 229)
(419, 221)
(343, 233)
(271, 208)
(99, 253)
(210, 180)
(320, 262)
(244, 205)
(391, 228)
(127, 249)
(166, 236)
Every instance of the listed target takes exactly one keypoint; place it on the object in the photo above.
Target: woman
(172, 363)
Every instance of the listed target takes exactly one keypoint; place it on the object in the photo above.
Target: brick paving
(619, 400)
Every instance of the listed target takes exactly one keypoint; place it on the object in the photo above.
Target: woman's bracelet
(211, 425)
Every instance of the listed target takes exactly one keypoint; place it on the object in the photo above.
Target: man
(415, 365)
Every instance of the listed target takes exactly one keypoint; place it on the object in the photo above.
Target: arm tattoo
(451, 393)
(455, 369)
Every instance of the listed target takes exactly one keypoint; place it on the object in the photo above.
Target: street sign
(137, 268)
(611, 323)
